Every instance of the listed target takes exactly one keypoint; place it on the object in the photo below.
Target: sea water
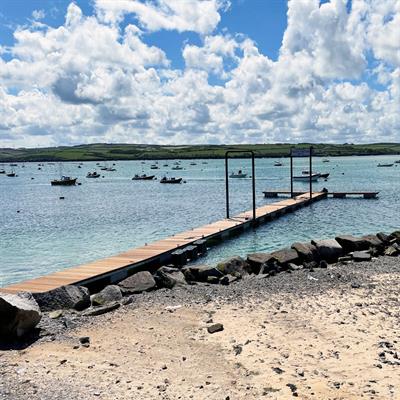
(41, 233)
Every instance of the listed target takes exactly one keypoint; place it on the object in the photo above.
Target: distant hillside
(97, 152)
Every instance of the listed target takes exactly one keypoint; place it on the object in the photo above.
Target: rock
(310, 265)
(256, 260)
(55, 314)
(285, 256)
(351, 243)
(100, 310)
(228, 279)
(19, 314)
(373, 241)
(213, 280)
(361, 256)
(168, 277)
(84, 339)
(270, 268)
(392, 251)
(64, 297)
(215, 328)
(201, 273)
(344, 259)
(307, 252)
(323, 264)
(109, 294)
(142, 281)
(294, 267)
(383, 237)
(396, 235)
(328, 249)
(236, 266)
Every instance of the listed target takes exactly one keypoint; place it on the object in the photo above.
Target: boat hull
(71, 182)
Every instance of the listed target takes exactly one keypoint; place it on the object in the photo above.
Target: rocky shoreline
(347, 283)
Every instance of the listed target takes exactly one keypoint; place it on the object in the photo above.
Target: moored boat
(325, 160)
(2, 171)
(170, 180)
(240, 174)
(154, 166)
(143, 177)
(385, 165)
(11, 174)
(93, 175)
(278, 164)
(64, 181)
(306, 178)
(177, 168)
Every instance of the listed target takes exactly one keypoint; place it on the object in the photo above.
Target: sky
(199, 71)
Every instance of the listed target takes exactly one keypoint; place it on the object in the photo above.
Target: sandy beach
(324, 334)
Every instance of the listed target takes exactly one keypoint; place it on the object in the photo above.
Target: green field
(97, 152)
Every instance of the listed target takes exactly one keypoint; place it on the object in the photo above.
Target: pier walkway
(153, 255)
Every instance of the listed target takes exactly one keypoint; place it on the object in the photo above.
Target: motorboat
(143, 177)
(154, 166)
(385, 165)
(64, 181)
(93, 175)
(177, 168)
(239, 174)
(193, 163)
(2, 171)
(110, 169)
(325, 160)
(306, 178)
(278, 164)
(170, 180)
(11, 174)
(325, 175)
(397, 162)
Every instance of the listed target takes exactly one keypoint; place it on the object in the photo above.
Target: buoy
(18, 211)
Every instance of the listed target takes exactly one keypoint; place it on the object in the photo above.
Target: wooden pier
(339, 195)
(99, 273)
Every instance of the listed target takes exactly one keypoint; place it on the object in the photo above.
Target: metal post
(253, 175)
(311, 148)
(227, 185)
(291, 173)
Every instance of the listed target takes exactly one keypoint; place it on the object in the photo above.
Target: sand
(328, 334)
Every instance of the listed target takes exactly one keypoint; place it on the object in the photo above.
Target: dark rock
(396, 235)
(213, 280)
(215, 328)
(91, 312)
(142, 281)
(352, 243)
(355, 285)
(383, 237)
(270, 268)
(278, 370)
(236, 266)
(167, 277)
(323, 264)
(228, 279)
(373, 241)
(294, 267)
(286, 256)
(109, 294)
(310, 265)
(201, 273)
(306, 251)
(328, 249)
(344, 259)
(64, 297)
(361, 256)
(19, 314)
(392, 251)
(84, 339)
(256, 260)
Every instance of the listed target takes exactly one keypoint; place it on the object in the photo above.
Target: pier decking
(341, 195)
(153, 255)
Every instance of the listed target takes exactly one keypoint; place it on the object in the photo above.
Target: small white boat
(154, 166)
(385, 165)
(278, 164)
(93, 175)
(306, 178)
(177, 167)
(239, 174)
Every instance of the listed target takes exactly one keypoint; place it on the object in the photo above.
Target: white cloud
(38, 14)
(95, 79)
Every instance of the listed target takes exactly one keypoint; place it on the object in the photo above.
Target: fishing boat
(239, 174)
(170, 180)
(143, 177)
(278, 164)
(11, 174)
(385, 165)
(93, 175)
(2, 171)
(306, 178)
(64, 181)
(177, 168)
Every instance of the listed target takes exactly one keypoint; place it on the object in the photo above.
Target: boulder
(306, 251)
(329, 249)
(110, 294)
(93, 311)
(361, 256)
(286, 256)
(168, 277)
(19, 314)
(142, 281)
(373, 241)
(352, 243)
(383, 237)
(392, 251)
(396, 235)
(64, 297)
(236, 266)
(201, 273)
(256, 260)
(228, 279)
(215, 328)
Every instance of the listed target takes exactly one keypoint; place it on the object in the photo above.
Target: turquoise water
(109, 215)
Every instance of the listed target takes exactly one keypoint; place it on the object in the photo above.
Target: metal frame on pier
(301, 153)
(253, 178)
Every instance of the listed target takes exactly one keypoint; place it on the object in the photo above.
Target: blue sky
(198, 71)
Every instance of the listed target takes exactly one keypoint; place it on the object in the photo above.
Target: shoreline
(315, 330)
